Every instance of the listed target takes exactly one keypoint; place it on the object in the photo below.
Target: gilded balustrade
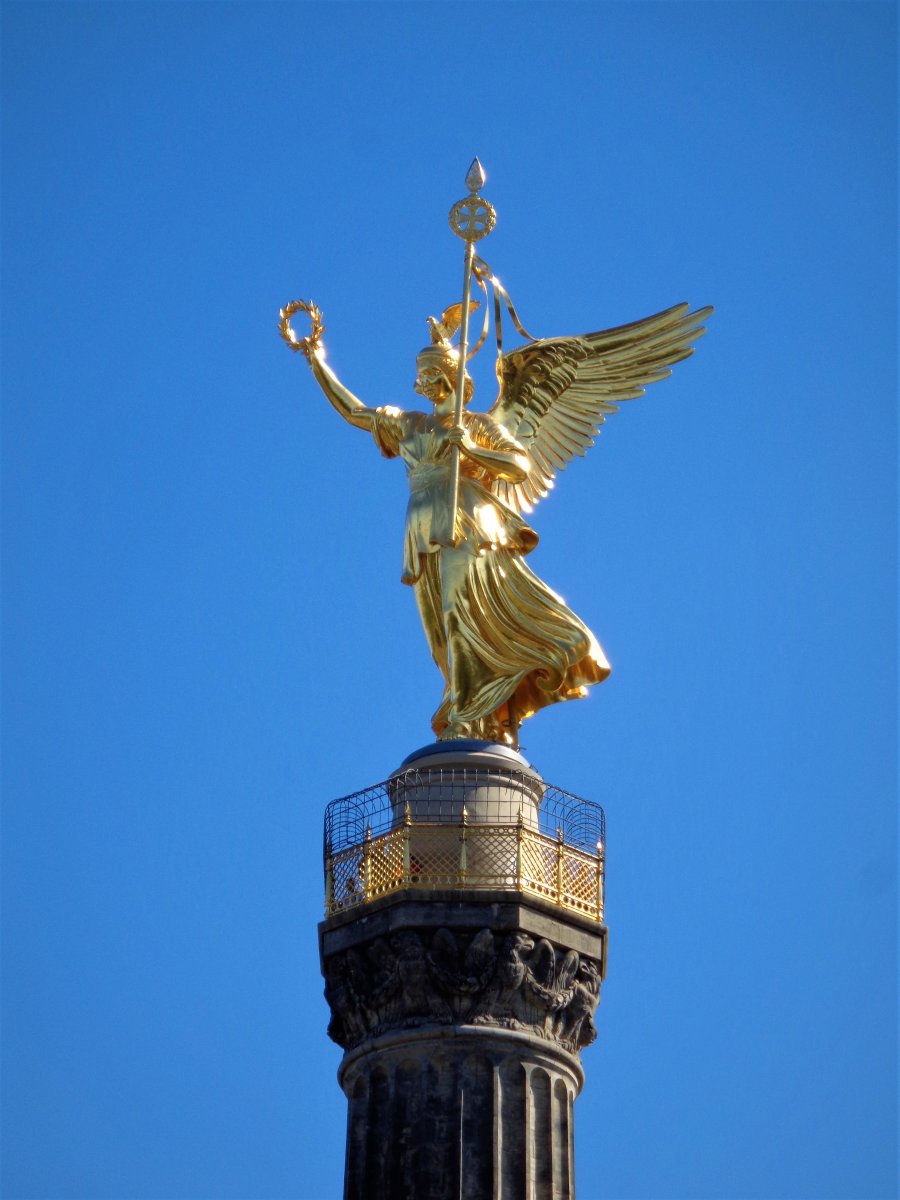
(456, 853)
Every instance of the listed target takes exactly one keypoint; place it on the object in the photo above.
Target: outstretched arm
(349, 406)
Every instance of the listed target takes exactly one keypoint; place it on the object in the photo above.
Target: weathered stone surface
(402, 966)
(477, 1115)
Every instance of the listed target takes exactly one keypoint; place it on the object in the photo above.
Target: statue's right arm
(350, 408)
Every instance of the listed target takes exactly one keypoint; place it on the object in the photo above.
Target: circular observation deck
(465, 816)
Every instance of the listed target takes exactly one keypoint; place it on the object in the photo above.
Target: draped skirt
(506, 644)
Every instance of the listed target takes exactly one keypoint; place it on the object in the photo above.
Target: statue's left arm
(504, 460)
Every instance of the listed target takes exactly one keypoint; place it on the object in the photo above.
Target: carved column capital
(472, 974)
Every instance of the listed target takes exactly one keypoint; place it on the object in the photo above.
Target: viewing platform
(465, 816)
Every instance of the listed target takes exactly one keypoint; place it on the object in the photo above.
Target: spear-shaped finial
(475, 177)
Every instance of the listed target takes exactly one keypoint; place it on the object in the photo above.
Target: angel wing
(555, 393)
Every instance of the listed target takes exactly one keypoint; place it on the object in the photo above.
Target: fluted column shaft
(475, 1115)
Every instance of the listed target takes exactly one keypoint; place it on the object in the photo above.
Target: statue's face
(434, 384)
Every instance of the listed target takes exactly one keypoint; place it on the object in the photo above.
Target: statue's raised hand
(309, 345)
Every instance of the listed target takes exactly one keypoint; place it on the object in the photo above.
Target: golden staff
(471, 219)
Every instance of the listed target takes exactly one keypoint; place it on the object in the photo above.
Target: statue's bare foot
(456, 729)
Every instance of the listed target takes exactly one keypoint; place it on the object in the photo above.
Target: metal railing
(465, 830)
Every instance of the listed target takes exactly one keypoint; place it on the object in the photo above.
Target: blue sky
(205, 634)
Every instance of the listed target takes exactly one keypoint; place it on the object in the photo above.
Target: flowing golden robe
(505, 643)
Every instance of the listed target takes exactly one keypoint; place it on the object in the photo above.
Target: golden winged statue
(505, 643)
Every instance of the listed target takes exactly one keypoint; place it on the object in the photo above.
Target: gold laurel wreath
(308, 344)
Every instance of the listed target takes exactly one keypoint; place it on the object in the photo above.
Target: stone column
(462, 1015)
(469, 1114)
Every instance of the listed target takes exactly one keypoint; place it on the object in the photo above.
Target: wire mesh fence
(443, 792)
(478, 828)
